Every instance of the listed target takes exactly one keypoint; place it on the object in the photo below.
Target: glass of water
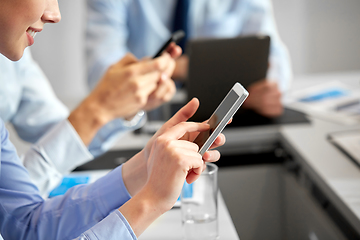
(199, 206)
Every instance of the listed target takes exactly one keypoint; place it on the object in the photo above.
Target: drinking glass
(199, 206)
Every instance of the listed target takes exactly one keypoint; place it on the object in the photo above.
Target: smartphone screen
(218, 116)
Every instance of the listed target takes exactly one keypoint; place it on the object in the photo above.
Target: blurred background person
(141, 27)
(63, 140)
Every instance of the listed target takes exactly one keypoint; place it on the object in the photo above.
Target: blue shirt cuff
(112, 191)
(114, 226)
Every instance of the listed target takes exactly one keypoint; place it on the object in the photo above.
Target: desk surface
(336, 175)
(168, 226)
(242, 137)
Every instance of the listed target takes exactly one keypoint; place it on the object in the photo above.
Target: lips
(30, 33)
(30, 38)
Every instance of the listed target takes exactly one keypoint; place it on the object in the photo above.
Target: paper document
(332, 101)
(76, 178)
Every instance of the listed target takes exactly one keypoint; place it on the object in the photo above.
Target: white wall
(322, 36)
(59, 49)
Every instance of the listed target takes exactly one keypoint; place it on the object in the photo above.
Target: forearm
(142, 210)
(112, 132)
(27, 216)
(134, 173)
(88, 118)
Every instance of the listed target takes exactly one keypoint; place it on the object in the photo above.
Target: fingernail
(164, 77)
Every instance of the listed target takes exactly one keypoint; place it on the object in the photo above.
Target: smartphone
(175, 37)
(222, 115)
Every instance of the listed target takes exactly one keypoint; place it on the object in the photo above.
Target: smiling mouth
(31, 33)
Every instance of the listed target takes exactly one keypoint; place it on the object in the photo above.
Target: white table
(336, 176)
(168, 226)
(330, 169)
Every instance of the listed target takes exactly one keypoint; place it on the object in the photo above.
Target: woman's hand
(182, 116)
(171, 161)
(135, 171)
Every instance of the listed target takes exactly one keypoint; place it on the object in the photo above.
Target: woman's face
(20, 20)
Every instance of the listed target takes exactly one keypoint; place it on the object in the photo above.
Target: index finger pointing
(179, 130)
(181, 116)
(184, 113)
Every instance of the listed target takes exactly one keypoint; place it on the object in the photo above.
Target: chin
(13, 56)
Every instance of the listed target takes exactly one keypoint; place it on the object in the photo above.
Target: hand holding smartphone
(222, 115)
(175, 37)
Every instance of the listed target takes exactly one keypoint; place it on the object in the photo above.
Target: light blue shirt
(25, 215)
(141, 26)
(29, 103)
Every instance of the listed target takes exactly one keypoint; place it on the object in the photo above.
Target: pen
(347, 104)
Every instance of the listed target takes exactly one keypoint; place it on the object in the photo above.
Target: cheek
(15, 18)
(14, 42)
(9, 42)
(29, 14)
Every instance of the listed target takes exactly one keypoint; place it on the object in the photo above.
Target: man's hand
(264, 98)
(128, 84)
(166, 86)
(127, 87)
(182, 68)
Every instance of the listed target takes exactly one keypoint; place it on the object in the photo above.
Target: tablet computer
(215, 65)
(347, 142)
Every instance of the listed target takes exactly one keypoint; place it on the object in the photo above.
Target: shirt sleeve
(57, 153)
(39, 109)
(113, 227)
(258, 18)
(61, 150)
(106, 36)
(25, 215)
(41, 119)
(113, 131)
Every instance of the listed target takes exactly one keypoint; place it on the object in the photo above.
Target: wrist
(152, 201)
(134, 173)
(140, 212)
(87, 119)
